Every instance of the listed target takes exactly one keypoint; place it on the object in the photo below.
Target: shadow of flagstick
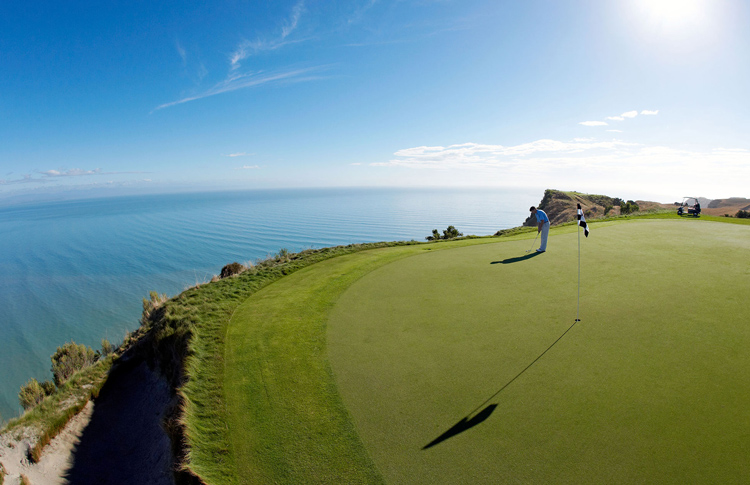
(463, 425)
(467, 423)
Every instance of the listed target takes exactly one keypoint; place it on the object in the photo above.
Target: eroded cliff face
(562, 206)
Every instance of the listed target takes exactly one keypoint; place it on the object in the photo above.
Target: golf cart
(690, 206)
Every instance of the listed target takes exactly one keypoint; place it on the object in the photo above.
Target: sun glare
(674, 14)
(679, 26)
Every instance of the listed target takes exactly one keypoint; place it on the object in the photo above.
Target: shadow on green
(463, 425)
(517, 260)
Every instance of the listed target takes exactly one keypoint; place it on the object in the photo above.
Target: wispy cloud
(236, 80)
(247, 48)
(24, 180)
(74, 172)
(49, 175)
(242, 81)
(621, 117)
(181, 51)
(293, 20)
(249, 167)
(615, 131)
(241, 154)
(359, 13)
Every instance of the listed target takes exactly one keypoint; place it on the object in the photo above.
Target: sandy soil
(118, 439)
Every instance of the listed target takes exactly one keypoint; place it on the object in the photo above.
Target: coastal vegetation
(49, 415)
(450, 233)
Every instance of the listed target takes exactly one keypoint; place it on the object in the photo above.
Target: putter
(532, 244)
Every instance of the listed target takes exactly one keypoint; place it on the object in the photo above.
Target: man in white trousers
(543, 227)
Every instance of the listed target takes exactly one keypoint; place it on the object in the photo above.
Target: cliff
(562, 207)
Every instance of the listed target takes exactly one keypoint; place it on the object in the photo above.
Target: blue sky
(632, 98)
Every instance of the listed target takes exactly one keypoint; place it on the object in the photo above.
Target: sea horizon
(78, 269)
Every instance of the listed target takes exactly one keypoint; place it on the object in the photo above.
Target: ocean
(78, 270)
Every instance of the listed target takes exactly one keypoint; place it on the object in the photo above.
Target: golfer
(543, 227)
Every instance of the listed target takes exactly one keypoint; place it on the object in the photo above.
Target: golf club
(532, 244)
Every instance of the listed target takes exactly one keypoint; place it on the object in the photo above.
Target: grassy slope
(648, 388)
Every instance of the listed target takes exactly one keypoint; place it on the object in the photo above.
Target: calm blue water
(78, 270)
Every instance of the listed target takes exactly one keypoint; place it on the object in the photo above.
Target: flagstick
(578, 310)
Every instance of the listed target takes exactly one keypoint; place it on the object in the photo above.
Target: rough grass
(648, 388)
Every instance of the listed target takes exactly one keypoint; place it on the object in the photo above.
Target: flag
(582, 221)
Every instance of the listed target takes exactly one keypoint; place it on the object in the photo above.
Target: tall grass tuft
(70, 358)
(150, 304)
(107, 347)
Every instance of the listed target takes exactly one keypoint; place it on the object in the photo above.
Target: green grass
(649, 388)
(285, 419)
(261, 401)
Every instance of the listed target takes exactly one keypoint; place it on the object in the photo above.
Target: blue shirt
(541, 216)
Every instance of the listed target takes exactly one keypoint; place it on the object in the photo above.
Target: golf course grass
(385, 365)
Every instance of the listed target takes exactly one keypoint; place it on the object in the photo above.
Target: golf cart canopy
(690, 206)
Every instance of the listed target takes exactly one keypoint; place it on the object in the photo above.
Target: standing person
(543, 227)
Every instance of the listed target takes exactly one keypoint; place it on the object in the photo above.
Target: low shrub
(231, 269)
(70, 358)
(629, 207)
(31, 394)
(435, 235)
(48, 387)
(450, 233)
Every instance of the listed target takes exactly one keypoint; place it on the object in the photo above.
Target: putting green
(649, 387)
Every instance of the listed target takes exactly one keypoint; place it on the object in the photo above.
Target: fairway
(650, 387)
